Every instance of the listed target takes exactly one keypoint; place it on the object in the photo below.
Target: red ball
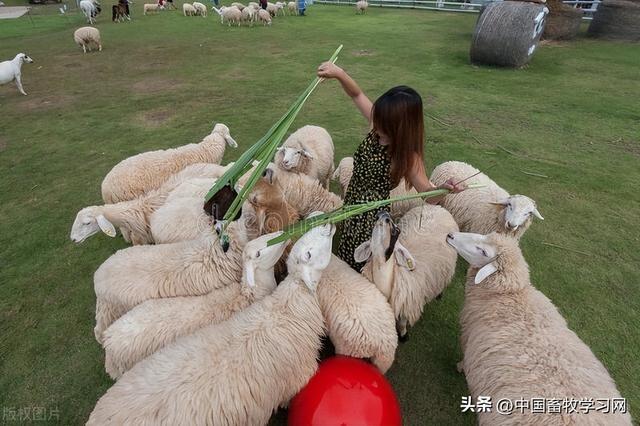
(345, 391)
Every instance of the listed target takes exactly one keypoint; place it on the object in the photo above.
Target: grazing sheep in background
(200, 8)
(264, 16)
(293, 8)
(147, 171)
(411, 263)
(361, 6)
(237, 372)
(255, 6)
(232, 15)
(156, 323)
(90, 9)
(238, 5)
(280, 7)
(359, 320)
(151, 7)
(249, 15)
(343, 173)
(134, 217)
(11, 70)
(306, 194)
(308, 150)
(84, 36)
(517, 345)
(189, 10)
(487, 209)
(272, 9)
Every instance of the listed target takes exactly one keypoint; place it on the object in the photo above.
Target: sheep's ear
(537, 214)
(230, 141)
(484, 272)
(106, 226)
(504, 202)
(307, 154)
(403, 257)
(280, 149)
(250, 274)
(268, 175)
(363, 252)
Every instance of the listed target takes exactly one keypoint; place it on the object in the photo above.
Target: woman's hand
(329, 70)
(453, 187)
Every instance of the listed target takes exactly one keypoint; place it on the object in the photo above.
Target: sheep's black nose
(450, 236)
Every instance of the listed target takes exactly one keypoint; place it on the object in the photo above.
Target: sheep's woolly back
(517, 345)
(318, 142)
(472, 209)
(359, 320)
(237, 372)
(423, 232)
(86, 35)
(144, 172)
(306, 194)
(189, 268)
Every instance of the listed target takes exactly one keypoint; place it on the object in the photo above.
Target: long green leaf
(346, 212)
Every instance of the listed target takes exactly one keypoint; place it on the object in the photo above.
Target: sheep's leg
(460, 367)
(84, 48)
(99, 47)
(401, 328)
(19, 84)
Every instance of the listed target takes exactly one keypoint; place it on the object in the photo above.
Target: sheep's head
(311, 254)
(24, 58)
(223, 130)
(488, 254)
(272, 213)
(90, 221)
(518, 211)
(343, 173)
(293, 159)
(257, 255)
(384, 243)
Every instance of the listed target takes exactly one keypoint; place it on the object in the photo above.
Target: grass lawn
(161, 80)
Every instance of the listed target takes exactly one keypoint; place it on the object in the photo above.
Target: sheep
(133, 217)
(293, 8)
(11, 70)
(232, 14)
(156, 323)
(255, 6)
(189, 10)
(272, 9)
(280, 7)
(361, 6)
(410, 263)
(237, 372)
(200, 8)
(359, 320)
(151, 7)
(306, 194)
(85, 36)
(90, 9)
(248, 15)
(343, 173)
(487, 209)
(309, 150)
(264, 16)
(516, 344)
(146, 171)
(238, 5)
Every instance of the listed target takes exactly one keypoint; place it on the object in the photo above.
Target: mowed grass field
(162, 80)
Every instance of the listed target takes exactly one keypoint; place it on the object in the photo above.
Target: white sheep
(487, 209)
(237, 372)
(156, 323)
(306, 194)
(238, 5)
(309, 150)
(255, 6)
(86, 36)
(12, 70)
(249, 15)
(151, 7)
(343, 174)
(200, 8)
(90, 9)
(361, 6)
(293, 7)
(280, 7)
(189, 268)
(144, 172)
(272, 9)
(410, 263)
(264, 16)
(359, 320)
(189, 10)
(231, 14)
(516, 344)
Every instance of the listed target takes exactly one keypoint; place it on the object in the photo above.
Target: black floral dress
(370, 181)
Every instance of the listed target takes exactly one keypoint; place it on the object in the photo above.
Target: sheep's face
(311, 255)
(25, 58)
(384, 243)
(479, 250)
(224, 130)
(292, 159)
(267, 201)
(89, 222)
(257, 255)
(518, 211)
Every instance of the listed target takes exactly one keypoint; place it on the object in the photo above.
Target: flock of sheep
(196, 334)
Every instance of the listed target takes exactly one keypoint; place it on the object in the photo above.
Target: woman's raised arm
(351, 88)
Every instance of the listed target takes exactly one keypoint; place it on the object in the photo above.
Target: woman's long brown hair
(398, 114)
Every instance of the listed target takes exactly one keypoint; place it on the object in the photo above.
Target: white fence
(588, 6)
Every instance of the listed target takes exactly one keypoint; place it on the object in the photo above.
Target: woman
(392, 150)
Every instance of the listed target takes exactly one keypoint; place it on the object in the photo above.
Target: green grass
(160, 82)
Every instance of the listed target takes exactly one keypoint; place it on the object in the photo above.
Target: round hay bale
(507, 33)
(563, 21)
(617, 20)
